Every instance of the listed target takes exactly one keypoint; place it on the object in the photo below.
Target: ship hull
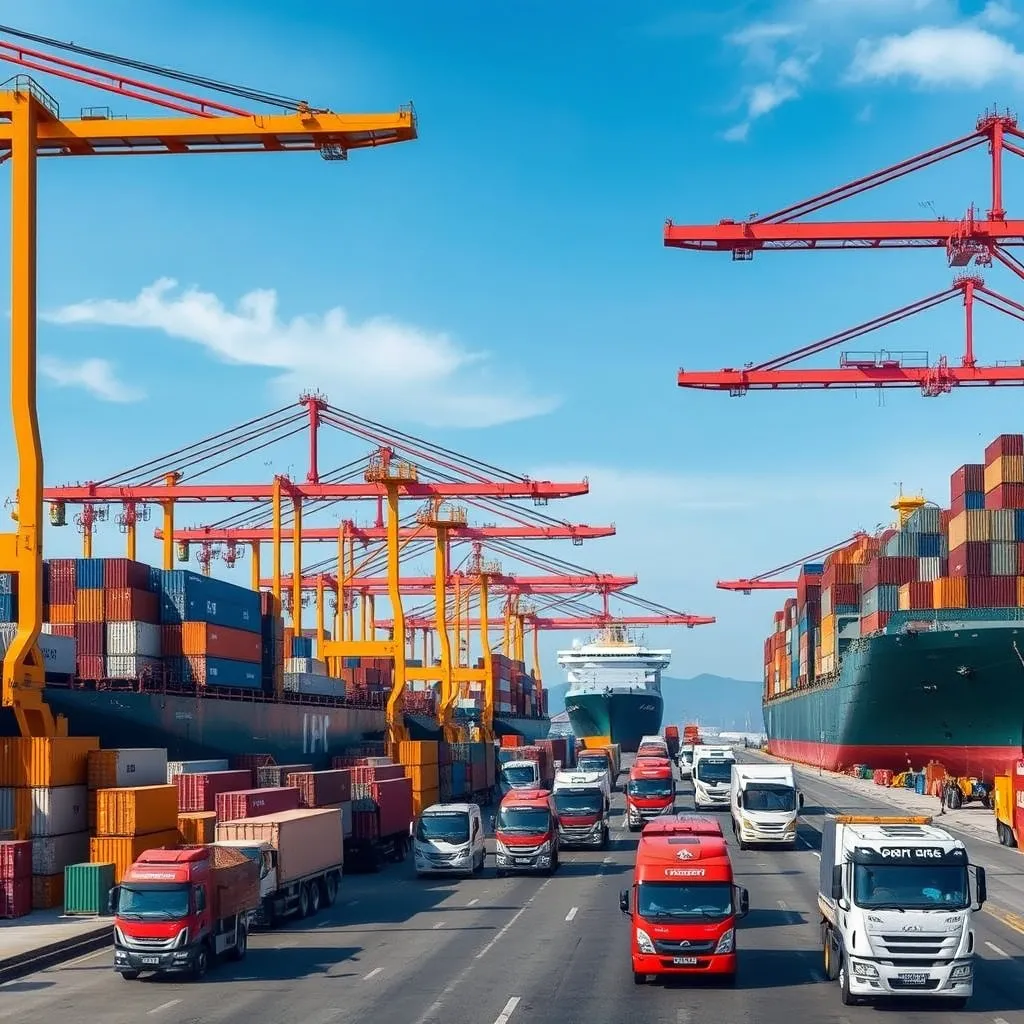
(625, 717)
(900, 700)
(196, 728)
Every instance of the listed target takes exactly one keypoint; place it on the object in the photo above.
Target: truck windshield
(714, 771)
(519, 775)
(449, 828)
(591, 764)
(524, 819)
(579, 801)
(710, 901)
(652, 751)
(650, 787)
(769, 796)
(153, 902)
(911, 886)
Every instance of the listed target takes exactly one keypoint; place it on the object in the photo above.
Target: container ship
(141, 657)
(614, 687)
(908, 646)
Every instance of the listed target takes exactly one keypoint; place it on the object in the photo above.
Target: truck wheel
(400, 850)
(201, 964)
(848, 998)
(954, 798)
(241, 944)
(605, 838)
(314, 898)
(639, 979)
(330, 893)
(303, 901)
(130, 975)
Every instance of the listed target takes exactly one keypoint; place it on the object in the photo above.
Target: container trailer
(382, 825)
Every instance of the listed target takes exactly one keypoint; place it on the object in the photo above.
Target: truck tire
(201, 964)
(847, 996)
(303, 901)
(241, 945)
(639, 979)
(330, 889)
(314, 898)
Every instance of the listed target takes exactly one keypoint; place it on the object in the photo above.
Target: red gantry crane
(972, 239)
(765, 580)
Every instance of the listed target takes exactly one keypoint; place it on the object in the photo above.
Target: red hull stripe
(970, 762)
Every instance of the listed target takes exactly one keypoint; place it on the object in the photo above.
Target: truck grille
(134, 942)
(522, 851)
(920, 945)
(578, 831)
(685, 948)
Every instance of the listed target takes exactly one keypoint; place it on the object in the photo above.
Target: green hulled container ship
(614, 687)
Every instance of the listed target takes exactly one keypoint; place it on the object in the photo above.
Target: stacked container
(419, 758)
(271, 644)
(331, 788)
(15, 878)
(130, 820)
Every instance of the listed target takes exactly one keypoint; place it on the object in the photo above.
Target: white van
(712, 776)
(449, 839)
(764, 803)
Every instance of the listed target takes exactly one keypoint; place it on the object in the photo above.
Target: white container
(140, 766)
(133, 639)
(52, 854)
(308, 682)
(58, 811)
(176, 768)
(6, 810)
(124, 666)
(58, 651)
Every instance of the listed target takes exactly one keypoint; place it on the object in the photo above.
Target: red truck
(672, 740)
(683, 905)
(178, 910)
(526, 832)
(650, 791)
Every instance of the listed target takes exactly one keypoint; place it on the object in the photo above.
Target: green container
(87, 888)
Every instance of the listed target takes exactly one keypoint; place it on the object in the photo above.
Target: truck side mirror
(624, 901)
(981, 884)
(744, 902)
(837, 882)
(112, 899)
(800, 800)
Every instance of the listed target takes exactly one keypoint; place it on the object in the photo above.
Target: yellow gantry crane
(31, 126)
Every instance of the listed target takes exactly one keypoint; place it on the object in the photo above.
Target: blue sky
(500, 285)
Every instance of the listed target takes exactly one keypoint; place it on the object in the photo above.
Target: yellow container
(45, 763)
(829, 627)
(136, 812)
(421, 801)
(89, 606)
(123, 851)
(595, 742)
(417, 752)
(1007, 469)
(904, 598)
(951, 592)
(1020, 591)
(198, 827)
(971, 524)
(424, 777)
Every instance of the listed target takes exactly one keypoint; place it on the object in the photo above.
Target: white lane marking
(472, 903)
(373, 973)
(82, 959)
(164, 1006)
(287, 945)
(490, 945)
(782, 905)
(510, 1008)
(572, 913)
(440, 924)
(996, 949)
(683, 1017)
(999, 1020)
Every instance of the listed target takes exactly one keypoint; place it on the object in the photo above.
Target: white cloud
(763, 32)
(998, 15)
(790, 75)
(961, 55)
(96, 376)
(361, 365)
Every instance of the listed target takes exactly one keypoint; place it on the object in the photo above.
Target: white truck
(712, 776)
(896, 905)
(518, 775)
(765, 804)
(583, 802)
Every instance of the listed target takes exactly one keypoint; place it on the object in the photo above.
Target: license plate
(523, 860)
(151, 960)
(684, 961)
(914, 979)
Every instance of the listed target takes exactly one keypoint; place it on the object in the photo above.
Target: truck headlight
(864, 970)
(544, 847)
(643, 942)
(725, 943)
(500, 847)
(962, 972)
(182, 939)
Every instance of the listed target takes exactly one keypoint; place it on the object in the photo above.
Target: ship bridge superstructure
(613, 660)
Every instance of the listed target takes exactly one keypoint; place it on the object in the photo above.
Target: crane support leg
(21, 552)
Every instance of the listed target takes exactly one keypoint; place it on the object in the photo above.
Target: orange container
(137, 811)
(45, 762)
(47, 891)
(62, 614)
(89, 606)
(424, 777)
(950, 592)
(124, 851)
(417, 752)
(124, 604)
(198, 828)
(421, 801)
(219, 641)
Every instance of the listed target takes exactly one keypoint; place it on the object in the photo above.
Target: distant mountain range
(730, 704)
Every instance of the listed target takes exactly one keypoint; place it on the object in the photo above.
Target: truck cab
(589, 761)
(765, 804)
(896, 905)
(683, 904)
(519, 775)
(650, 791)
(526, 832)
(582, 802)
(652, 746)
(685, 761)
(712, 776)
(449, 839)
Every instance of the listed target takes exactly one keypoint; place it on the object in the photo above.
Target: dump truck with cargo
(178, 910)
(583, 802)
(765, 804)
(896, 909)
(300, 855)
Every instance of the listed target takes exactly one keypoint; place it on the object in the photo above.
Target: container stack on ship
(908, 646)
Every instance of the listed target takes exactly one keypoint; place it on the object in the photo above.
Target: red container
(16, 860)
(90, 638)
(62, 586)
(252, 761)
(394, 799)
(15, 897)
(967, 478)
(991, 591)
(889, 570)
(844, 595)
(808, 588)
(199, 792)
(276, 774)
(974, 558)
(62, 629)
(251, 803)
(90, 667)
(841, 572)
(876, 621)
(1004, 444)
(377, 773)
(365, 825)
(124, 604)
(1005, 496)
(921, 596)
(125, 574)
(322, 789)
(222, 642)
(1020, 559)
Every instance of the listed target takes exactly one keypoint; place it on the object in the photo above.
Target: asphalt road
(515, 951)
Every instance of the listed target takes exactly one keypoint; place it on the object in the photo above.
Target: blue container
(302, 647)
(8, 582)
(89, 573)
(189, 597)
(812, 568)
(974, 499)
(459, 778)
(1019, 524)
(477, 753)
(225, 672)
(8, 608)
(929, 545)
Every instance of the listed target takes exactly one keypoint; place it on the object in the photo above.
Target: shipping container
(136, 766)
(322, 789)
(43, 812)
(45, 762)
(198, 828)
(130, 667)
(125, 573)
(277, 774)
(973, 558)
(967, 478)
(15, 897)
(203, 670)
(176, 768)
(137, 811)
(1004, 444)
(15, 859)
(133, 639)
(122, 852)
(89, 574)
(190, 597)
(58, 652)
(255, 803)
(87, 888)
(52, 854)
(198, 792)
(127, 605)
